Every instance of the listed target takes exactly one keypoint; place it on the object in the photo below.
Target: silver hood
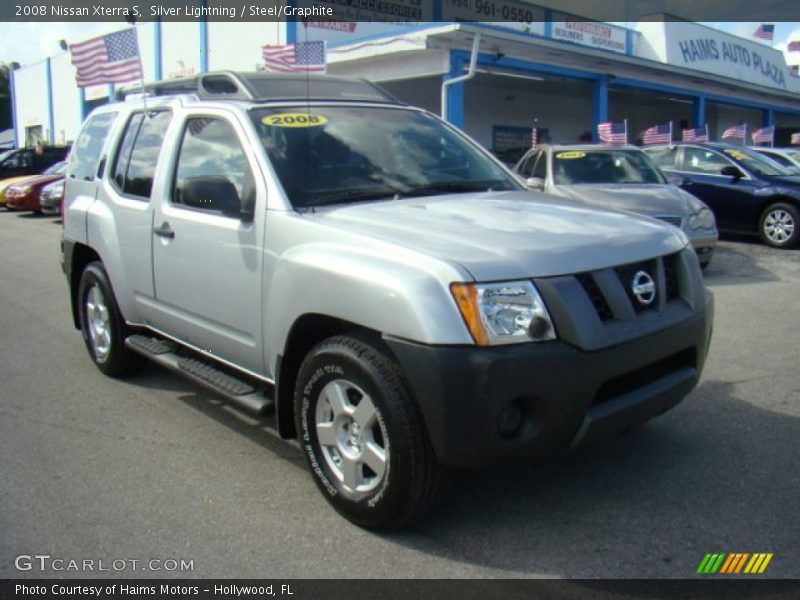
(646, 199)
(508, 235)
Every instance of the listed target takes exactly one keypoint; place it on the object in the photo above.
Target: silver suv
(312, 246)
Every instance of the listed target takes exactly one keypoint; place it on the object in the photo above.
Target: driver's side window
(213, 164)
(702, 160)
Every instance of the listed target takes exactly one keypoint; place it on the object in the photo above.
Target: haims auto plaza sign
(723, 56)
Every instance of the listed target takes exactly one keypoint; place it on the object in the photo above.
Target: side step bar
(234, 390)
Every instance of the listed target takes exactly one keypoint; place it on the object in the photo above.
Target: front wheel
(102, 325)
(362, 435)
(780, 226)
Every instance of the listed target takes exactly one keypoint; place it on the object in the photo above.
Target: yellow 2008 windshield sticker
(294, 120)
(570, 155)
(737, 154)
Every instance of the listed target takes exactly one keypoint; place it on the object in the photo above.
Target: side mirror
(731, 171)
(211, 193)
(535, 183)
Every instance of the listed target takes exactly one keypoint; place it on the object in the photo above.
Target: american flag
(535, 133)
(303, 57)
(613, 133)
(735, 131)
(698, 134)
(795, 140)
(657, 134)
(765, 135)
(765, 32)
(112, 58)
(793, 46)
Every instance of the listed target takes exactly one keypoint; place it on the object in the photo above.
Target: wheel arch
(305, 333)
(82, 255)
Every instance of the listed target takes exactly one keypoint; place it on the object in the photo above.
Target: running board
(204, 373)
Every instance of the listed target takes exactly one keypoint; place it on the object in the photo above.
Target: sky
(28, 43)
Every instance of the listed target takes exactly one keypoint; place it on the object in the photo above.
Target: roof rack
(260, 86)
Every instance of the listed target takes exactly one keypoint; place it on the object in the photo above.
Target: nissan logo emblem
(644, 288)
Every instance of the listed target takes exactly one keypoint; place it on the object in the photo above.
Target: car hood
(648, 199)
(40, 180)
(5, 183)
(506, 235)
(792, 181)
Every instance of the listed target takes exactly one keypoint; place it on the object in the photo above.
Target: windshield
(756, 163)
(56, 169)
(335, 154)
(6, 154)
(604, 166)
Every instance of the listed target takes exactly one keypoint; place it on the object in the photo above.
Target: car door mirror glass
(210, 192)
(731, 171)
(535, 183)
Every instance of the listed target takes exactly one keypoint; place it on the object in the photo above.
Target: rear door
(131, 167)
(206, 261)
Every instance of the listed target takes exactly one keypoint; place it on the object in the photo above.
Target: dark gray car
(620, 178)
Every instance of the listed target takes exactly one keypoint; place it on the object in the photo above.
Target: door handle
(164, 231)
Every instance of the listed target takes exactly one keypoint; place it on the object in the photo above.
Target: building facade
(568, 74)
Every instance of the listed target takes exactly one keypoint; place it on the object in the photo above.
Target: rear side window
(137, 157)
(86, 152)
(663, 157)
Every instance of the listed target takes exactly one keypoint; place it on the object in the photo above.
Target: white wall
(237, 46)
(564, 109)
(721, 116)
(30, 93)
(66, 100)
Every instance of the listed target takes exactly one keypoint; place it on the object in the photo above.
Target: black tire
(113, 357)
(779, 225)
(412, 482)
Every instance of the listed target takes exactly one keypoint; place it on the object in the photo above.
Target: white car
(786, 157)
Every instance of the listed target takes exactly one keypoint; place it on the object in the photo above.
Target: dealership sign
(588, 33)
(701, 48)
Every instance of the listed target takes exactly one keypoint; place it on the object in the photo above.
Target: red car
(25, 194)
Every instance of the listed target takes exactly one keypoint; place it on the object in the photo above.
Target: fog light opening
(510, 420)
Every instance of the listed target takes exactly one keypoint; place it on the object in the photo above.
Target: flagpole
(131, 19)
(625, 121)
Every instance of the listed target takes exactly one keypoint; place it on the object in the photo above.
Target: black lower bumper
(534, 401)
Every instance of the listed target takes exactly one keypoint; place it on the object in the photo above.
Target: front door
(207, 262)
(731, 199)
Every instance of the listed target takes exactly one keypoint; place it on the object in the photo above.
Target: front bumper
(567, 397)
(703, 241)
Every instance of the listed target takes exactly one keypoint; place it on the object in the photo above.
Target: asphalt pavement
(157, 469)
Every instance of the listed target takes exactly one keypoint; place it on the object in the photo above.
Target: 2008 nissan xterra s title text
(312, 245)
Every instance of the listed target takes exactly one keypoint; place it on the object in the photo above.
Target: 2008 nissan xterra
(312, 245)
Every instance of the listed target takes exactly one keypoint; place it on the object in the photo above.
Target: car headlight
(503, 313)
(702, 220)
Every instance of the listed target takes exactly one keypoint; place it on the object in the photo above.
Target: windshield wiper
(455, 187)
(352, 196)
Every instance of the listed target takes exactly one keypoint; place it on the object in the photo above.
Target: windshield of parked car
(56, 169)
(6, 154)
(604, 166)
(335, 154)
(756, 163)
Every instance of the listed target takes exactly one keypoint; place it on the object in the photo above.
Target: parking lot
(155, 468)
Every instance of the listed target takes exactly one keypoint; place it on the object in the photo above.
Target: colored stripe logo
(734, 563)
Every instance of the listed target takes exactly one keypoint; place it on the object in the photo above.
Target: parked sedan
(621, 178)
(786, 157)
(747, 191)
(51, 197)
(24, 195)
(7, 183)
